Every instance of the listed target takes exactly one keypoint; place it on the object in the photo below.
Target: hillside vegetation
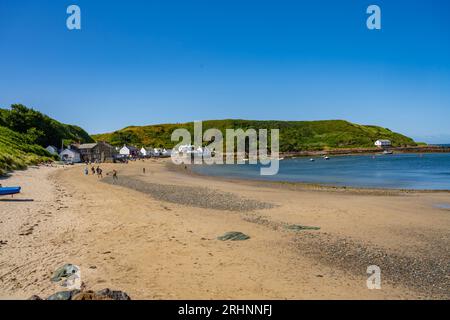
(40, 127)
(294, 135)
(24, 133)
(17, 151)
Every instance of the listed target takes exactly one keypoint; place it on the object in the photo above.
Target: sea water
(428, 171)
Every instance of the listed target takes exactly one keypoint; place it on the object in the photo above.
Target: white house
(186, 148)
(383, 143)
(128, 151)
(52, 149)
(189, 149)
(70, 155)
(166, 152)
(156, 152)
(146, 152)
(153, 152)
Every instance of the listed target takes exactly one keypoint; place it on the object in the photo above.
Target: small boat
(312, 160)
(388, 152)
(326, 158)
(9, 191)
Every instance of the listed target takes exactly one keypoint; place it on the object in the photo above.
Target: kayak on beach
(9, 191)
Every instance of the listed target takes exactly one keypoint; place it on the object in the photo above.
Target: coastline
(166, 248)
(366, 151)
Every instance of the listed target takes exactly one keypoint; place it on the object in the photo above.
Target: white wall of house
(383, 143)
(70, 155)
(125, 151)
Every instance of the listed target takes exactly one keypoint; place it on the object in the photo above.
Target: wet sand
(154, 236)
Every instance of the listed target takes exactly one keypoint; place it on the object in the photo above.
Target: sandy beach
(154, 236)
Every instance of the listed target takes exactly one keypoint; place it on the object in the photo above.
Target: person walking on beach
(99, 172)
(143, 170)
(93, 170)
(86, 171)
(115, 178)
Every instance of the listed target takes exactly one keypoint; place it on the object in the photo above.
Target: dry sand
(154, 236)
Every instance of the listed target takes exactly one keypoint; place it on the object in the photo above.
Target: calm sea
(402, 171)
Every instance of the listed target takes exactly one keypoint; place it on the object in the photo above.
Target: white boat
(388, 152)
(326, 158)
(312, 160)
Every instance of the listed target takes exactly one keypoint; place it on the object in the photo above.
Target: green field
(294, 135)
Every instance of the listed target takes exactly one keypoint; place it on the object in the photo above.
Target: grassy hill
(294, 135)
(45, 130)
(17, 152)
(24, 133)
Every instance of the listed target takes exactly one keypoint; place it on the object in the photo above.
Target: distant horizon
(176, 61)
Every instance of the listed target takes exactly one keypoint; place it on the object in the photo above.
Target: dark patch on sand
(191, 196)
(425, 272)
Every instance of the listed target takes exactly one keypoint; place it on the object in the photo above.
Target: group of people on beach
(95, 171)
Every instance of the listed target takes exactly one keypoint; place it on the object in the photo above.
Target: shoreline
(366, 151)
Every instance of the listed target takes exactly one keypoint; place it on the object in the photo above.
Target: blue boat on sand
(4, 191)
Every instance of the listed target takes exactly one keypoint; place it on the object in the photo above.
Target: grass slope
(24, 133)
(17, 153)
(294, 135)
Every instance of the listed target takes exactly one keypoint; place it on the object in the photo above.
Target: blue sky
(145, 62)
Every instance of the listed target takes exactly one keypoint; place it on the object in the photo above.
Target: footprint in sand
(27, 232)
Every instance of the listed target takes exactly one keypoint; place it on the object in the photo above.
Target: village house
(146, 152)
(70, 155)
(129, 151)
(166, 152)
(383, 143)
(96, 152)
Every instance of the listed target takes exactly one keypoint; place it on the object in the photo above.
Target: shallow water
(402, 171)
(444, 206)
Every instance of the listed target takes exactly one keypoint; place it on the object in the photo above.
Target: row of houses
(104, 152)
(87, 152)
(133, 152)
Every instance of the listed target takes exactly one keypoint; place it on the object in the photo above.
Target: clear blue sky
(146, 62)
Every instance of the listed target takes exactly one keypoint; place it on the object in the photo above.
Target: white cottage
(70, 155)
(166, 152)
(128, 151)
(146, 152)
(383, 143)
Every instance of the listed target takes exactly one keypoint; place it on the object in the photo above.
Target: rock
(89, 295)
(114, 295)
(63, 295)
(296, 227)
(34, 297)
(64, 272)
(234, 236)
